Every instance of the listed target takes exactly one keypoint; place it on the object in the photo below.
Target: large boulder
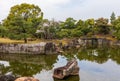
(26, 79)
(71, 68)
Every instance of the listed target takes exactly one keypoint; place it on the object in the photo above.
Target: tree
(89, 27)
(117, 28)
(23, 20)
(3, 31)
(63, 33)
(76, 33)
(102, 26)
(80, 26)
(112, 17)
(54, 28)
(84, 27)
(48, 29)
(65, 29)
(69, 23)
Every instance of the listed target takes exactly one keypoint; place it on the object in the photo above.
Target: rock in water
(71, 68)
(26, 79)
(7, 78)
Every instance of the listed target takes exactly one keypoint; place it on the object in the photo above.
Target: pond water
(96, 64)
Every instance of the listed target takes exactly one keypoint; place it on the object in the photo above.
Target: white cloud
(61, 9)
(47, 6)
(95, 9)
(98, 8)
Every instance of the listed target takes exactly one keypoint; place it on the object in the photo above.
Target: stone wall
(98, 42)
(89, 42)
(39, 48)
(51, 48)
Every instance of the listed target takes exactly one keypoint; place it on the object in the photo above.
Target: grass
(6, 40)
(106, 36)
(56, 41)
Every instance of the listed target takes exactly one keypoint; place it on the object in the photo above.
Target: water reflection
(24, 65)
(99, 55)
(71, 78)
(95, 64)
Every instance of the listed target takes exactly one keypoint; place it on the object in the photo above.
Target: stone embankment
(52, 48)
(86, 42)
(40, 48)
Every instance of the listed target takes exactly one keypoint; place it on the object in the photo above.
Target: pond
(96, 64)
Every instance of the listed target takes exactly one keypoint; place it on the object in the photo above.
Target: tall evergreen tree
(112, 17)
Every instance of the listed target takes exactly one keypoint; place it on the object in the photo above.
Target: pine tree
(112, 17)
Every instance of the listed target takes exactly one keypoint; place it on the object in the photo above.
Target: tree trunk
(25, 40)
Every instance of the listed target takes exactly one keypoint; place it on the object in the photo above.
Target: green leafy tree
(23, 20)
(69, 23)
(3, 31)
(79, 28)
(117, 28)
(89, 27)
(63, 33)
(102, 26)
(80, 24)
(66, 28)
(76, 33)
(84, 27)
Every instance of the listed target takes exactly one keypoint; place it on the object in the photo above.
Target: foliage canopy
(23, 20)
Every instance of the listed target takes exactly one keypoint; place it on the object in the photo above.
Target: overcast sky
(62, 9)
